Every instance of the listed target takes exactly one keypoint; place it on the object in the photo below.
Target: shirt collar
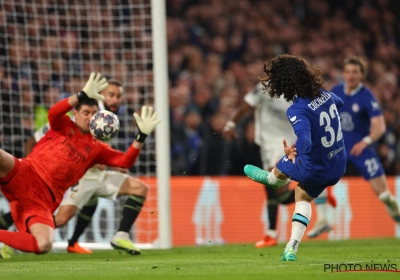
(354, 91)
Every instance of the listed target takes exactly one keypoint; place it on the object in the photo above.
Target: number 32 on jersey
(325, 119)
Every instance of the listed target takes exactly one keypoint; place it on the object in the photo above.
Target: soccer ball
(104, 125)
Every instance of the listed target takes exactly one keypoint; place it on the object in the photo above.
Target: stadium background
(215, 54)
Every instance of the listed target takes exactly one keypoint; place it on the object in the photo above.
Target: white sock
(321, 207)
(122, 234)
(271, 178)
(300, 220)
(272, 233)
(391, 203)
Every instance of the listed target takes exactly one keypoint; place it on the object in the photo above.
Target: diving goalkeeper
(35, 186)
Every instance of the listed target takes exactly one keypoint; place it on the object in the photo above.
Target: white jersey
(271, 123)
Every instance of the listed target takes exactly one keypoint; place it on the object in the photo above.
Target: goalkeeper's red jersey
(64, 154)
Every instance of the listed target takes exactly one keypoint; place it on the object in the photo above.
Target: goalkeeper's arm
(146, 123)
(92, 88)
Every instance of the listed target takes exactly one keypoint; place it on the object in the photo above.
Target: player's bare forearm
(137, 145)
(238, 114)
(378, 128)
(73, 100)
(229, 129)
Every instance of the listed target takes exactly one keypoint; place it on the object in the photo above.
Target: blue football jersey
(321, 118)
(355, 115)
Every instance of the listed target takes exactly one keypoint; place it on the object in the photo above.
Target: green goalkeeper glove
(92, 88)
(146, 122)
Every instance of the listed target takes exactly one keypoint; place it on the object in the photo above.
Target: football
(104, 125)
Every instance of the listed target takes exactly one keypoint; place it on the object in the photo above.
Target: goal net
(47, 51)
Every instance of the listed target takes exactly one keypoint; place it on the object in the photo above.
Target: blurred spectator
(188, 145)
(50, 97)
(216, 148)
(216, 52)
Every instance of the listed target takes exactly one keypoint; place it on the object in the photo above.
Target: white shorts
(106, 185)
(270, 154)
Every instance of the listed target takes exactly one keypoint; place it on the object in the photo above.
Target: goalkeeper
(97, 182)
(35, 186)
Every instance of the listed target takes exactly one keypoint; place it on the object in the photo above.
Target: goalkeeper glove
(92, 88)
(146, 122)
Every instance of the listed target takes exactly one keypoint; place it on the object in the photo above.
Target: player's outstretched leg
(322, 225)
(264, 177)
(137, 191)
(83, 220)
(380, 187)
(301, 218)
(391, 205)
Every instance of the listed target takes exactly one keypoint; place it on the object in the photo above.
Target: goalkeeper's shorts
(31, 201)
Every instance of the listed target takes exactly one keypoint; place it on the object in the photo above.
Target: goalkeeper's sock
(6, 221)
(300, 220)
(22, 241)
(132, 208)
(83, 219)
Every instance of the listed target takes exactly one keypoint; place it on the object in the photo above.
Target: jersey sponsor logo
(355, 107)
(285, 158)
(294, 120)
(346, 121)
(333, 153)
(74, 154)
(375, 105)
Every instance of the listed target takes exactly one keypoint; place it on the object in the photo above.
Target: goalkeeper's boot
(331, 198)
(267, 241)
(6, 252)
(122, 242)
(77, 249)
(320, 228)
(289, 255)
(258, 175)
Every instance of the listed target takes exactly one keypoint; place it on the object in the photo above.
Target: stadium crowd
(216, 51)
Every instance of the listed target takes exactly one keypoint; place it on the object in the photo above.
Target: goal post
(158, 15)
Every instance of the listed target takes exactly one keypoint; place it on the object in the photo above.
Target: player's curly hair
(291, 76)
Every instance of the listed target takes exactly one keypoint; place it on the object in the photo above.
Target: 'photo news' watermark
(358, 267)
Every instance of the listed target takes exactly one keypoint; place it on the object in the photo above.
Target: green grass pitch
(239, 261)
